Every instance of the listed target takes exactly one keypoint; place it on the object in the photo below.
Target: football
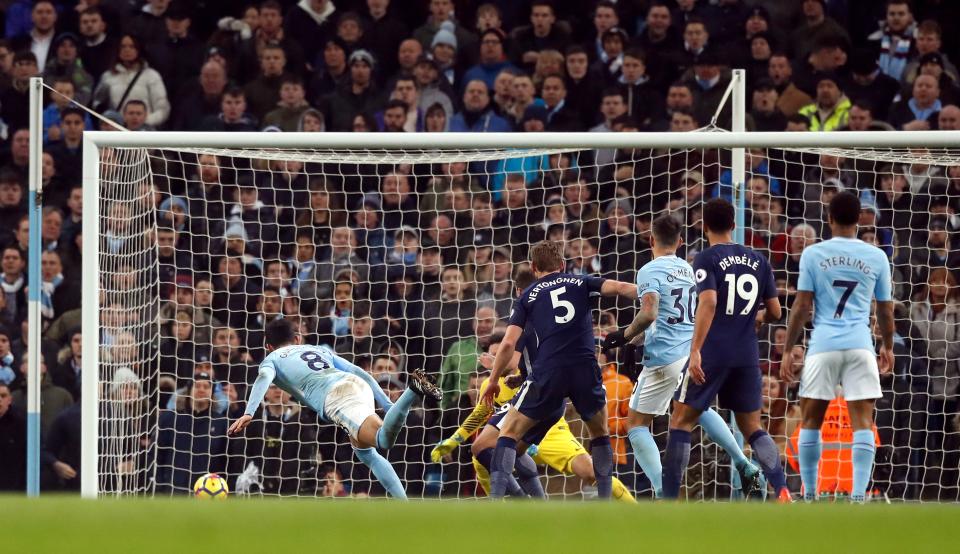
(211, 486)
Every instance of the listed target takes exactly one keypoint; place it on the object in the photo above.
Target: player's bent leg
(367, 434)
(601, 452)
(513, 426)
(764, 450)
(812, 411)
(528, 477)
(719, 432)
(864, 447)
(645, 449)
(396, 416)
(482, 449)
(383, 471)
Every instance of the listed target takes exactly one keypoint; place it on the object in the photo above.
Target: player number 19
(739, 287)
(568, 310)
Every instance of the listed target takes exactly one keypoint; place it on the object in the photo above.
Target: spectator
(62, 99)
(177, 55)
(39, 40)
(332, 73)
(612, 106)
(709, 82)
(233, 114)
(695, 39)
(399, 202)
(764, 111)
(356, 96)
(405, 91)
(67, 374)
(148, 24)
(408, 54)
(929, 40)
(949, 118)
(135, 116)
(65, 63)
(53, 399)
(816, 25)
(543, 33)
(13, 284)
(96, 49)
(643, 100)
(868, 83)
(433, 90)
(441, 11)
(781, 73)
(477, 115)
(583, 93)
(13, 444)
(67, 151)
(341, 256)
(830, 110)
(460, 361)
(200, 98)
(291, 106)
(492, 59)
(895, 38)
(607, 67)
(310, 24)
(263, 93)
(191, 440)
(660, 40)
(560, 117)
(61, 448)
(131, 77)
(679, 97)
(384, 33)
(861, 119)
(921, 110)
(270, 32)
(15, 100)
(443, 48)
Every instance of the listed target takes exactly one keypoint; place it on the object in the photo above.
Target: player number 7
(849, 286)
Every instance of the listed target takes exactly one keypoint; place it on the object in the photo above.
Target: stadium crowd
(409, 265)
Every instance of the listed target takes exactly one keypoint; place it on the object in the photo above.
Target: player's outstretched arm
(799, 316)
(619, 288)
(265, 376)
(646, 315)
(478, 418)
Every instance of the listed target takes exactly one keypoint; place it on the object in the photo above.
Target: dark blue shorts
(537, 432)
(737, 388)
(543, 396)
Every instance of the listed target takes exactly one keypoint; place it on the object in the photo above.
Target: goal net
(402, 258)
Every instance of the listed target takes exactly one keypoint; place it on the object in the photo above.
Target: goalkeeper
(553, 446)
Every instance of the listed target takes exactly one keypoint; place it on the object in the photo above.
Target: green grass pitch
(71, 525)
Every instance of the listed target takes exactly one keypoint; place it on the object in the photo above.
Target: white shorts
(855, 370)
(349, 403)
(655, 388)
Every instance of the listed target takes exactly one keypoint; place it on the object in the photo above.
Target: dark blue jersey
(555, 313)
(743, 281)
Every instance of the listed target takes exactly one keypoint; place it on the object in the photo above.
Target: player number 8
(569, 311)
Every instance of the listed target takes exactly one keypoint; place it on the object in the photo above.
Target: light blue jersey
(308, 373)
(845, 275)
(668, 338)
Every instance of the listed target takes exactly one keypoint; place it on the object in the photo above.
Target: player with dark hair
(668, 293)
(339, 392)
(724, 352)
(840, 278)
(549, 443)
(555, 313)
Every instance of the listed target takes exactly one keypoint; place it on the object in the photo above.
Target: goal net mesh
(403, 259)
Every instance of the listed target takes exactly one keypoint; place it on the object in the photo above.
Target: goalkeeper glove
(614, 340)
(445, 447)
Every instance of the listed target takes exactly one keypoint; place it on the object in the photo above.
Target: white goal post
(934, 147)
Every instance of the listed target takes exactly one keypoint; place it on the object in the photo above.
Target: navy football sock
(528, 476)
(501, 469)
(485, 457)
(767, 453)
(602, 453)
(675, 462)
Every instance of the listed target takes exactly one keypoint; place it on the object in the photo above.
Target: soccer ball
(211, 486)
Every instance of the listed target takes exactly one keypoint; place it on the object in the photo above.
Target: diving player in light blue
(668, 290)
(839, 278)
(339, 392)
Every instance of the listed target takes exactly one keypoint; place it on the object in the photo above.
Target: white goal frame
(93, 141)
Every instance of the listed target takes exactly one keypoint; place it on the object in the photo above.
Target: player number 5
(568, 310)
